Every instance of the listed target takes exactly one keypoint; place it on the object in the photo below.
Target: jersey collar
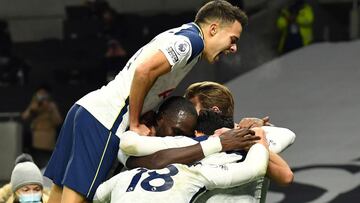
(200, 31)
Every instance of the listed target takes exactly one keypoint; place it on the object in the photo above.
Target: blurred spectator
(295, 23)
(26, 184)
(45, 119)
(115, 55)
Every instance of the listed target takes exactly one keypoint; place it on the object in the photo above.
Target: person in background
(45, 118)
(295, 24)
(26, 184)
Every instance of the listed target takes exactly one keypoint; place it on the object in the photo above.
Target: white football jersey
(179, 182)
(252, 192)
(182, 47)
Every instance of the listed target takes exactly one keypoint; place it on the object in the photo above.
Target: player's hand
(253, 122)
(261, 133)
(238, 139)
(220, 131)
(141, 129)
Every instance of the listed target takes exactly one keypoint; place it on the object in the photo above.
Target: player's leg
(57, 164)
(72, 196)
(94, 150)
(56, 193)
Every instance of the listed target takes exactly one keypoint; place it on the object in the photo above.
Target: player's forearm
(279, 171)
(140, 86)
(235, 174)
(183, 155)
(161, 159)
(145, 75)
(279, 138)
(135, 145)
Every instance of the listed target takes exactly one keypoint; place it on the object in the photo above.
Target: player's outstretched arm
(231, 140)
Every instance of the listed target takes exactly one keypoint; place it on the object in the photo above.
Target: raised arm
(145, 75)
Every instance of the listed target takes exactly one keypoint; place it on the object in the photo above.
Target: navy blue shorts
(84, 153)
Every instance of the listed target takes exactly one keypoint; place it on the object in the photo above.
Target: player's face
(181, 126)
(222, 40)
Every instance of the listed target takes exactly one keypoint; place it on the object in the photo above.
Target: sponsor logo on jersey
(182, 47)
(172, 54)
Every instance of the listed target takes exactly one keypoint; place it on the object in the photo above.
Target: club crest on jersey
(182, 47)
(172, 54)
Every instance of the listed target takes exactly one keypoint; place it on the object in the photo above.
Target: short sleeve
(177, 50)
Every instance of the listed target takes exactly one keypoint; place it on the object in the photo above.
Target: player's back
(176, 183)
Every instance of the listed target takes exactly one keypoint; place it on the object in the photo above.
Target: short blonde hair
(212, 94)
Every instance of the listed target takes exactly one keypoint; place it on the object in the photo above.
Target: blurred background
(297, 61)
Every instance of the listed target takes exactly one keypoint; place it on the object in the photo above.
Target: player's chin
(215, 59)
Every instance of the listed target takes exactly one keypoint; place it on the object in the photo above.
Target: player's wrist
(211, 145)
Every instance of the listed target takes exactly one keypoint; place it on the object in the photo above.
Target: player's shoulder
(185, 35)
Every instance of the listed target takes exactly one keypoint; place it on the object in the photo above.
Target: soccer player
(90, 136)
(210, 95)
(179, 183)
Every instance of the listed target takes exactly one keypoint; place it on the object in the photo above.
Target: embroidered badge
(182, 47)
(172, 54)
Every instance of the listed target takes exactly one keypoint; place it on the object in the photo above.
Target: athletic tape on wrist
(211, 145)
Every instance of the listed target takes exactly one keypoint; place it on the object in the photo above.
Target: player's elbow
(128, 146)
(287, 179)
(291, 135)
(259, 170)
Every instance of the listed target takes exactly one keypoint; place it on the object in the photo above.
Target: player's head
(176, 116)
(209, 121)
(211, 95)
(221, 24)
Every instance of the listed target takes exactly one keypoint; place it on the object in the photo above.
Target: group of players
(107, 123)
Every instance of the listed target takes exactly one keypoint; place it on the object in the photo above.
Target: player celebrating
(89, 139)
(180, 182)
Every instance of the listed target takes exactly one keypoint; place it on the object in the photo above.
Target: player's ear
(213, 28)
